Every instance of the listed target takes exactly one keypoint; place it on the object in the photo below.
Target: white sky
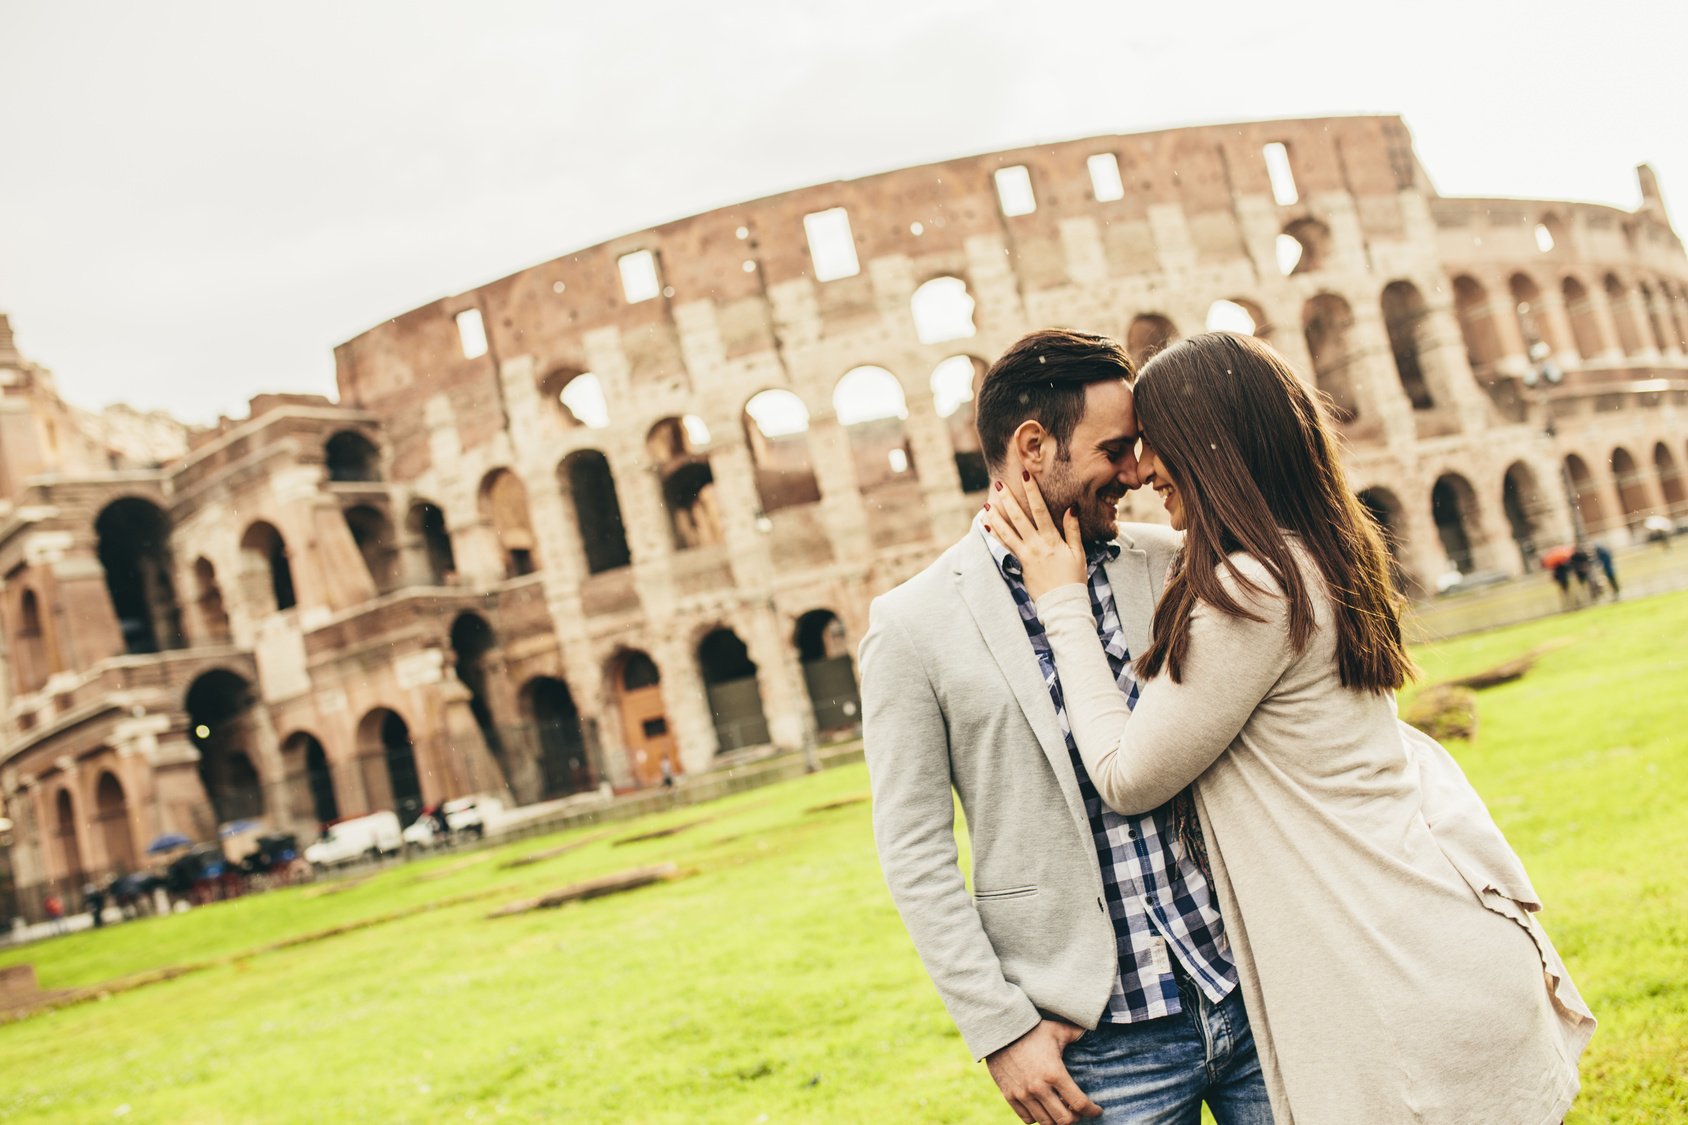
(199, 200)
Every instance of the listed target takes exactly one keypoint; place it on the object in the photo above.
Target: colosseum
(624, 511)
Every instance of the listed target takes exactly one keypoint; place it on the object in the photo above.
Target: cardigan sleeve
(1140, 759)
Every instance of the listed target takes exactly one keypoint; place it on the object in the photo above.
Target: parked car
(469, 816)
(373, 836)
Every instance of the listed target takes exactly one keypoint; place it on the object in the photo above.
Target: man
(1089, 966)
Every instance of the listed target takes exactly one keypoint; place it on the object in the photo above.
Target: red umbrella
(1555, 556)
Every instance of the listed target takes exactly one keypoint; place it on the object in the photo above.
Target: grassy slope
(777, 981)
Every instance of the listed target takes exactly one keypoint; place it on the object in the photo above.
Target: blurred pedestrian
(1604, 557)
(1562, 578)
(93, 901)
(55, 913)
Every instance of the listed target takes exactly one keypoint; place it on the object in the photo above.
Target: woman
(1380, 924)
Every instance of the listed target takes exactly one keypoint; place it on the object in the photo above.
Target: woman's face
(1152, 471)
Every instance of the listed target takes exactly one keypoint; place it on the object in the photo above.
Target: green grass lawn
(774, 981)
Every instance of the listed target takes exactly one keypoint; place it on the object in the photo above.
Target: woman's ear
(1031, 444)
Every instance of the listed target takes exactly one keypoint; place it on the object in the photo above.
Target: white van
(372, 836)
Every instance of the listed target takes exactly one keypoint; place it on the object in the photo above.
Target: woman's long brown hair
(1254, 456)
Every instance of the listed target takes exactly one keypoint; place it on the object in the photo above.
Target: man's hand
(1031, 1075)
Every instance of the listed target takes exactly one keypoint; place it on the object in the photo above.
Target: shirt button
(1100, 907)
(1131, 833)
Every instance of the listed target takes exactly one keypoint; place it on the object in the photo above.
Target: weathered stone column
(734, 472)
(1447, 368)
(785, 699)
(688, 704)
(1377, 383)
(841, 498)
(934, 465)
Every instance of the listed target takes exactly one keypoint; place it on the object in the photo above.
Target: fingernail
(987, 505)
(999, 486)
(987, 527)
(1025, 474)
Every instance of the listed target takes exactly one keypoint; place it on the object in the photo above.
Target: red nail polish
(987, 505)
(999, 486)
(1025, 474)
(987, 527)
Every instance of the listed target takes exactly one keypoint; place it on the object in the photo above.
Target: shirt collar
(1095, 554)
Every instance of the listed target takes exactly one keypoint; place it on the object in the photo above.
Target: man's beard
(1061, 492)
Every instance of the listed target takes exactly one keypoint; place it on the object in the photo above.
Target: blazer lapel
(1134, 595)
(998, 619)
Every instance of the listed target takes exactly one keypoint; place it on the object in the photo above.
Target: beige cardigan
(1380, 924)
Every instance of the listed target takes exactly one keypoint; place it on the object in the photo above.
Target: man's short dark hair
(1043, 377)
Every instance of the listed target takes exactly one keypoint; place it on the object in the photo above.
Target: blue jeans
(1159, 1072)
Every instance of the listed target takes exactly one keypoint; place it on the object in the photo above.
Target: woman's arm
(1139, 760)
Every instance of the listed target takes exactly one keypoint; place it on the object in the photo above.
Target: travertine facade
(630, 505)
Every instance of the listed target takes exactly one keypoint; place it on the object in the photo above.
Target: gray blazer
(952, 698)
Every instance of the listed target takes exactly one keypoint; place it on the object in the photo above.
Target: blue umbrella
(168, 841)
(236, 827)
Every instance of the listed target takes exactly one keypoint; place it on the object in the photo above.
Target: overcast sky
(199, 200)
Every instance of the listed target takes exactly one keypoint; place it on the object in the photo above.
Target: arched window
(1403, 318)
(943, 310)
(870, 406)
(372, 531)
(504, 504)
(1237, 315)
(735, 699)
(1476, 324)
(1303, 247)
(1585, 322)
(776, 427)
(1148, 335)
(678, 450)
(1618, 297)
(955, 388)
(265, 553)
(134, 550)
(1453, 505)
(590, 487)
(1328, 323)
(426, 522)
(578, 396)
(352, 457)
(1533, 324)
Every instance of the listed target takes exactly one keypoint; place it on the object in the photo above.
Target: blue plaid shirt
(1158, 898)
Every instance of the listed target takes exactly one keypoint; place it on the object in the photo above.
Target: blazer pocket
(1006, 892)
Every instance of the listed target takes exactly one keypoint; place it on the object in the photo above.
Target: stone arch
(589, 484)
(1671, 485)
(1148, 335)
(208, 601)
(310, 779)
(1523, 502)
(578, 397)
(1533, 324)
(776, 428)
(425, 523)
(1632, 487)
(955, 389)
(1303, 247)
(387, 758)
(636, 684)
(69, 848)
(372, 531)
(350, 456)
(1623, 314)
(1476, 323)
(871, 406)
(1453, 507)
(224, 727)
(678, 449)
(1328, 324)
(265, 563)
(134, 550)
(1552, 235)
(1386, 511)
(942, 310)
(1404, 318)
(503, 502)
(1654, 318)
(1238, 314)
(34, 653)
(549, 712)
(480, 669)
(1590, 507)
(111, 816)
(823, 650)
(1586, 333)
(735, 697)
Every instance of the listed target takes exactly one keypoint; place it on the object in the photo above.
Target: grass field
(773, 981)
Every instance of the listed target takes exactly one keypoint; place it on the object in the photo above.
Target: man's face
(1101, 462)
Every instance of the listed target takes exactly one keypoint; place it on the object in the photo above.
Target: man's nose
(1131, 471)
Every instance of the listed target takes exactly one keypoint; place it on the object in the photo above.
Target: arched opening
(352, 457)
(388, 757)
(828, 672)
(310, 781)
(1632, 487)
(644, 717)
(1550, 234)
(1476, 324)
(955, 388)
(372, 531)
(1147, 336)
(776, 428)
(590, 486)
(1671, 485)
(1304, 246)
(134, 550)
(1523, 502)
(64, 832)
(578, 396)
(1328, 323)
(1589, 505)
(223, 728)
(208, 600)
(1384, 507)
(34, 657)
(943, 310)
(474, 644)
(1453, 505)
(550, 711)
(111, 814)
(1240, 315)
(1655, 319)
(1533, 323)
(1585, 321)
(426, 522)
(504, 505)
(870, 406)
(1623, 315)
(735, 698)
(1404, 319)
(678, 449)
(268, 573)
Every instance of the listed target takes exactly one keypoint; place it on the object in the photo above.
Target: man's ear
(1032, 444)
